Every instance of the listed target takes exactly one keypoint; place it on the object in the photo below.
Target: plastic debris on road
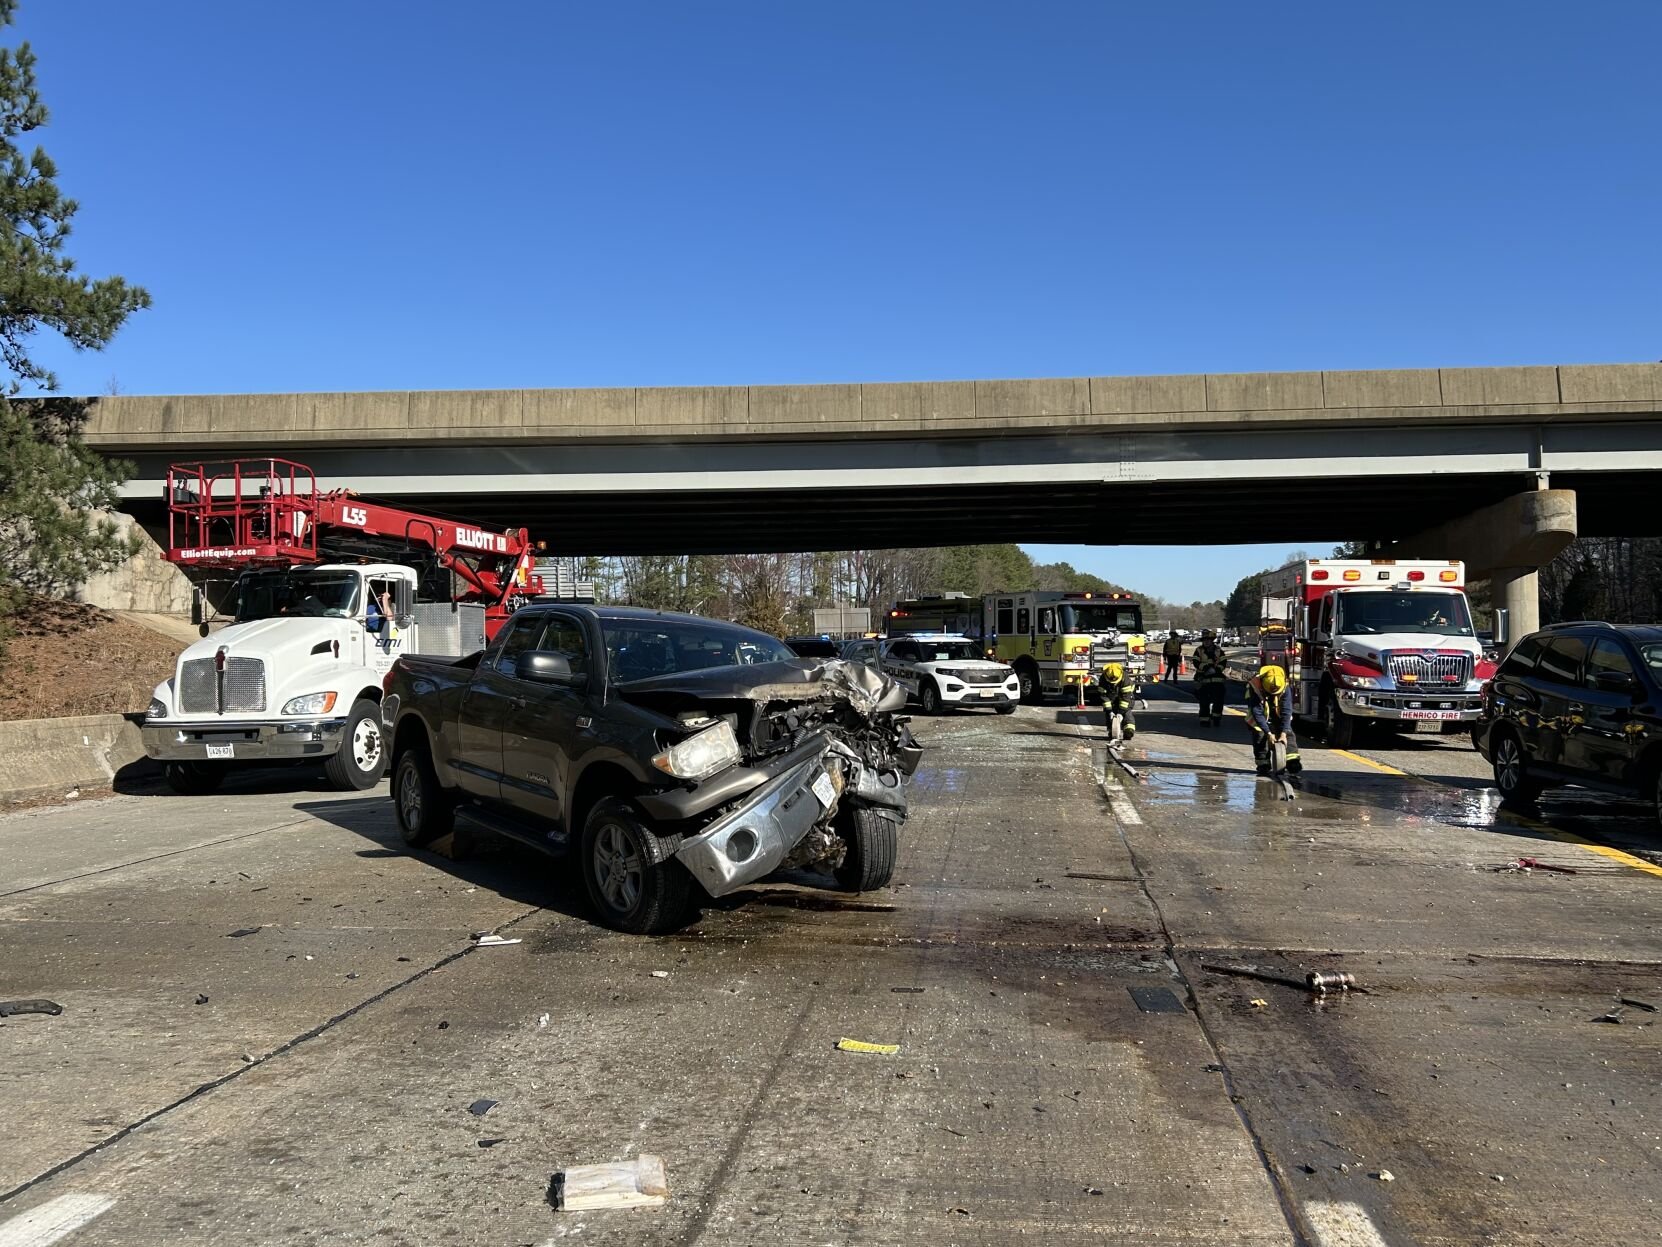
(489, 940)
(638, 1183)
(11, 1008)
(480, 1107)
(860, 1045)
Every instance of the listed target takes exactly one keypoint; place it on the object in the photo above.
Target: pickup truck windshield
(1101, 617)
(1433, 614)
(638, 649)
(265, 595)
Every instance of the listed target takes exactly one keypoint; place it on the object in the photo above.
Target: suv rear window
(1562, 660)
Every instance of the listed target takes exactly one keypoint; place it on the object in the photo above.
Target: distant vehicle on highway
(950, 673)
(814, 646)
(1580, 704)
(657, 750)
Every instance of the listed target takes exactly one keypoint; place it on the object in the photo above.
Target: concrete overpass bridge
(1385, 455)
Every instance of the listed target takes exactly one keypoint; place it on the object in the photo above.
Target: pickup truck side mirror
(546, 667)
(1615, 681)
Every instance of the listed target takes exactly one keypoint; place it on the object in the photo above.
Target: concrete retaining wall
(51, 757)
(146, 582)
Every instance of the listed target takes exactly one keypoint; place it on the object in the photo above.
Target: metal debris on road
(480, 1107)
(201, 998)
(1524, 865)
(660, 974)
(242, 931)
(907, 991)
(488, 1143)
(860, 1045)
(1316, 982)
(638, 1183)
(1614, 1017)
(1636, 1004)
(11, 1008)
(488, 940)
(1322, 981)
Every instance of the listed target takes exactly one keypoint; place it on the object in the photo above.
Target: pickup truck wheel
(628, 892)
(929, 697)
(363, 751)
(1512, 777)
(873, 842)
(193, 779)
(423, 809)
(1338, 728)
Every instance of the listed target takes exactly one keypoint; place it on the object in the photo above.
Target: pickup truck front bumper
(262, 741)
(745, 844)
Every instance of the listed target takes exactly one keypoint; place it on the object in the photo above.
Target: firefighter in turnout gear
(1270, 718)
(1119, 689)
(1209, 678)
(1172, 652)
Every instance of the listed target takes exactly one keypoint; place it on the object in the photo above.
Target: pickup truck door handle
(516, 703)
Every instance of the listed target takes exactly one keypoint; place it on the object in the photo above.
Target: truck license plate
(220, 751)
(825, 790)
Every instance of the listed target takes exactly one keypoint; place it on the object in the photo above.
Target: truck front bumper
(246, 741)
(752, 841)
(1429, 707)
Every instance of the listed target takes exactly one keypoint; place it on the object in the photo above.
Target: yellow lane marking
(1567, 837)
(1378, 766)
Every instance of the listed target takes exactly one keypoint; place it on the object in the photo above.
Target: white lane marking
(1342, 1225)
(53, 1220)
(1125, 811)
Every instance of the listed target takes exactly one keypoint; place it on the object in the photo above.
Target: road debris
(1259, 1003)
(489, 1143)
(201, 998)
(860, 1045)
(480, 1107)
(638, 1183)
(1523, 865)
(1636, 1004)
(1316, 982)
(1614, 1017)
(1156, 1000)
(1385, 1175)
(11, 1008)
(487, 939)
(660, 974)
(242, 931)
(907, 991)
(1323, 981)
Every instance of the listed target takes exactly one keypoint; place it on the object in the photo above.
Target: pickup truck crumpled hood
(796, 679)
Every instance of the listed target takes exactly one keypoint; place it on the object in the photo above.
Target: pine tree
(52, 487)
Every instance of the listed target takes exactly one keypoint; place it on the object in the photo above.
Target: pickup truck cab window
(638, 649)
(522, 637)
(565, 636)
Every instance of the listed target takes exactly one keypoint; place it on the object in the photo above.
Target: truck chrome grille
(244, 686)
(1437, 670)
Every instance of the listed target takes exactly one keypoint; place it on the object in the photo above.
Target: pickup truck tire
(362, 757)
(628, 892)
(929, 697)
(193, 779)
(423, 809)
(873, 842)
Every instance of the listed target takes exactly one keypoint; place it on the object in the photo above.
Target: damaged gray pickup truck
(657, 751)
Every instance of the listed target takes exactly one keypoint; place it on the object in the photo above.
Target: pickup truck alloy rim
(409, 798)
(366, 745)
(617, 868)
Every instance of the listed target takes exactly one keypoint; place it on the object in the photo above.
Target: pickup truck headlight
(311, 703)
(158, 709)
(701, 756)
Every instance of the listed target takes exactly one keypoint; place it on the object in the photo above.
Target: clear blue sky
(326, 196)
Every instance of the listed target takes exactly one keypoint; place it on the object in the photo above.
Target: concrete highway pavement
(1046, 903)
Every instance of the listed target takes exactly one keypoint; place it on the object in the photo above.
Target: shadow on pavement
(514, 871)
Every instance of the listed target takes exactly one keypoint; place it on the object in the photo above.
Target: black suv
(1577, 703)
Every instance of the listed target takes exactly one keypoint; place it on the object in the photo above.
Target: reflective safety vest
(1209, 664)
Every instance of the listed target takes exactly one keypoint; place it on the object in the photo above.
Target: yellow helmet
(1272, 677)
(1114, 671)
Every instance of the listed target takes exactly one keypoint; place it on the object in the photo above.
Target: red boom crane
(242, 514)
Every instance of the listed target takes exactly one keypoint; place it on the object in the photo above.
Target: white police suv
(947, 672)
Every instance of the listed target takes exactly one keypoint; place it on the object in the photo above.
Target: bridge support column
(1506, 544)
(1517, 590)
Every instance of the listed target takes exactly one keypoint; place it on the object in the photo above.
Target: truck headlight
(951, 673)
(701, 756)
(311, 703)
(158, 709)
